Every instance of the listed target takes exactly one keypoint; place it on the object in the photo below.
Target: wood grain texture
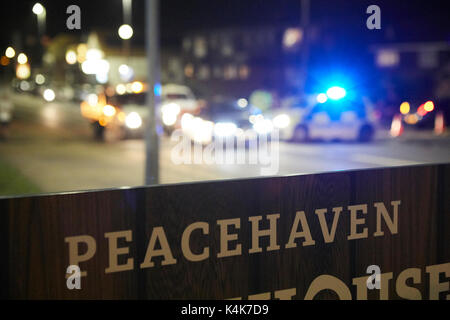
(35, 256)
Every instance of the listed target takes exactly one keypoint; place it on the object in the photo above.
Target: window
(189, 70)
(200, 47)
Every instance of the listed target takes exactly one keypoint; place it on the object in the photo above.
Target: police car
(335, 116)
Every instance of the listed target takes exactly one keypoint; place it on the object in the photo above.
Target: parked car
(220, 118)
(128, 112)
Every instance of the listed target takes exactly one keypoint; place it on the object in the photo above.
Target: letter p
(74, 255)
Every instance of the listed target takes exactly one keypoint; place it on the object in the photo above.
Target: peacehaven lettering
(387, 218)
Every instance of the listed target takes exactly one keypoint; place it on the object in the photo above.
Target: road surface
(52, 145)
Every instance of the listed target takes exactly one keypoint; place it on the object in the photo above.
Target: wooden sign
(296, 237)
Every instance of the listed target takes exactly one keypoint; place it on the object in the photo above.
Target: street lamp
(38, 8)
(71, 57)
(125, 31)
(10, 52)
(40, 12)
(22, 58)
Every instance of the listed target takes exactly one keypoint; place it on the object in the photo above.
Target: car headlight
(169, 119)
(281, 121)
(186, 121)
(263, 126)
(170, 112)
(224, 129)
(202, 130)
(133, 120)
(109, 110)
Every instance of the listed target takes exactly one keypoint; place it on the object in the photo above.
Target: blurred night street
(55, 159)
(89, 103)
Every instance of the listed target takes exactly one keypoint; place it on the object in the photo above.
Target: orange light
(121, 116)
(429, 106)
(23, 71)
(411, 119)
(4, 61)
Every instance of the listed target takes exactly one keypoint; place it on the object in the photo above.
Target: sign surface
(296, 237)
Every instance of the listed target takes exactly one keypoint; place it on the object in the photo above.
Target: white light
(126, 72)
(171, 108)
(387, 58)
(71, 57)
(10, 52)
(38, 9)
(225, 129)
(133, 120)
(24, 85)
(281, 121)
(169, 119)
(121, 89)
(103, 67)
(292, 36)
(322, 98)
(109, 111)
(137, 86)
(202, 130)
(94, 54)
(186, 121)
(101, 77)
(88, 67)
(170, 113)
(22, 58)
(125, 32)
(92, 99)
(255, 118)
(242, 103)
(40, 79)
(263, 126)
(129, 88)
(336, 93)
(196, 128)
(49, 95)
(123, 69)
(95, 67)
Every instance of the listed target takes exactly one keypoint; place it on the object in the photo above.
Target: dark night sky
(411, 20)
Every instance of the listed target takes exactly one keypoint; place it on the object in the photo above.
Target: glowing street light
(40, 12)
(71, 57)
(49, 95)
(125, 31)
(22, 58)
(38, 9)
(23, 71)
(10, 52)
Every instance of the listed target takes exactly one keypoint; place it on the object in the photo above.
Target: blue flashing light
(157, 89)
(336, 93)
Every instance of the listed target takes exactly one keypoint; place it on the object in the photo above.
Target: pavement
(52, 145)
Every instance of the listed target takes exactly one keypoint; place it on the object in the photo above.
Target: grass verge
(13, 182)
